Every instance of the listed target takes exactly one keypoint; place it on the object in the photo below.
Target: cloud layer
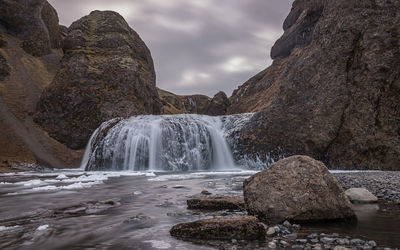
(198, 46)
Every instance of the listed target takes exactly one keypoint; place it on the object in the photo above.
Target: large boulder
(35, 22)
(333, 90)
(107, 71)
(242, 228)
(298, 189)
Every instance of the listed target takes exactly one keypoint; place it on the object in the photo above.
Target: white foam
(42, 227)
(30, 183)
(158, 244)
(199, 175)
(4, 228)
(61, 177)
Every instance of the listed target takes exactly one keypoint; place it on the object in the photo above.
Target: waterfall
(160, 143)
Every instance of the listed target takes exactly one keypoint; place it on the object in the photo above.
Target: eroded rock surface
(35, 22)
(106, 72)
(242, 228)
(216, 203)
(332, 91)
(299, 189)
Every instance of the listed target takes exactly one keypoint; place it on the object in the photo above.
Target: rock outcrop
(216, 203)
(333, 90)
(360, 195)
(194, 104)
(218, 105)
(298, 189)
(29, 60)
(35, 22)
(242, 228)
(106, 72)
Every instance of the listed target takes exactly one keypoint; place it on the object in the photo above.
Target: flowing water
(134, 210)
(154, 164)
(163, 143)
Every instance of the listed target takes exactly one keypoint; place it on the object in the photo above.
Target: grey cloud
(198, 46)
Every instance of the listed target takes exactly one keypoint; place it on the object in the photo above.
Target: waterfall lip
(168, 143)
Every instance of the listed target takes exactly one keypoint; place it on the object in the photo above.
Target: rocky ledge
(243, 228)
(216, 203)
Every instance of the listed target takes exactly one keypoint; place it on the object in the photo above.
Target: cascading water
(164, 143)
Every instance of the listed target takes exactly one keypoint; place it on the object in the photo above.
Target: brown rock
(333, 94)
(106, 72)
(22, 142)
(50, 18)
(183, 104)
(34, 21)
(298, 189)
(218, 105)
(4, 68)
(243, 228)
(216, 203)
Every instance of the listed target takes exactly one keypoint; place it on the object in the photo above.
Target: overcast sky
(198, 46)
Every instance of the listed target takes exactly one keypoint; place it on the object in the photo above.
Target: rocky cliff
(29, 59)
(107, 71)
(333, 90)
(193, 104)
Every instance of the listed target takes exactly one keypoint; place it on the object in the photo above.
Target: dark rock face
(218, 105)
(298, 189)
(243, 228)
(50, 18)
(333, 95)
(4, 68)
(299, 27)
(106, 72)
(216, 203)
(194, 104)
(34, 21)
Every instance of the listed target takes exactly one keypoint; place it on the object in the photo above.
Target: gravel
(384, 185)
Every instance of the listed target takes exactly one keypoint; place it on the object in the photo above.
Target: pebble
(327, 240)
(292, 236)
(271, 231)
(272, 244)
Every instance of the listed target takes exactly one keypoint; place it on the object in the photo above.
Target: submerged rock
(107, 71)
(360, 195)
(242, 228)
(216, 203)
(299, 189)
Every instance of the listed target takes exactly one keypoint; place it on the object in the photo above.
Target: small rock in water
(178, 186)
(372, 243)
(205, 192)
(242, 228)
(360, 195)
